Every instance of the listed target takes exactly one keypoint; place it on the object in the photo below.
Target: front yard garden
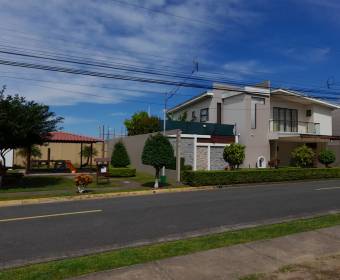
(34, 186)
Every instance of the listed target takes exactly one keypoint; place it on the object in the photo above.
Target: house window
(204, 115)
(219, 113)
(308, 113)
(193, 116)
(254, 102)
(285, 119)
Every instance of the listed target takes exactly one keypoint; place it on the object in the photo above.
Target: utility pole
(103, 138)
(168, 95)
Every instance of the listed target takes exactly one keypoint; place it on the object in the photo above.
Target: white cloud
(114, 33)
(118, 114)
(310, 54)
(71, 120)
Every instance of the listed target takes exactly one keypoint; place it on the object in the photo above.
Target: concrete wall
(134, 146)
(202, 156)
(217, 161)
(336, 122)
(237, 109)
(187, 149)
(323, 115)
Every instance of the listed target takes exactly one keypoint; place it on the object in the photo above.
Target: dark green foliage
(142, 123)
(120, 157)
(158, 152)
(122, 172)
(24, 124)
(234, 154)
(326, 157)
(303, 156)
(205, 178)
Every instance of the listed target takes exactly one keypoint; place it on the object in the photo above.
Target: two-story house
(270, 123)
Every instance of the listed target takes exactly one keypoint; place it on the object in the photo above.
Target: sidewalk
(235, 261)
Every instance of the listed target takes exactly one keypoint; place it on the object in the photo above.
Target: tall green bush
(234, 154)
(158, 153)
(120, 157)
(303, 156)
(326, 157)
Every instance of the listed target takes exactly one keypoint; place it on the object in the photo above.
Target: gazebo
(71, 138)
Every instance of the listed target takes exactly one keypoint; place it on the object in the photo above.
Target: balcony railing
(294, 127)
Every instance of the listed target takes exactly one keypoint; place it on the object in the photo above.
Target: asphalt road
(41, 232)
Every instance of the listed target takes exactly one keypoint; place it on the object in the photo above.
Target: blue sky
(292, 43)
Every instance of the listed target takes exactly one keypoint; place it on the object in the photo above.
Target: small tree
(158, 153)
(120, 157)
(326, 157)
(303, 156)
(142, 123)
(234, 154)
(87, 153)
(23, 124)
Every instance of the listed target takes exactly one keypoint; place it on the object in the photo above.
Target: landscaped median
(244, 176)
(72, 267)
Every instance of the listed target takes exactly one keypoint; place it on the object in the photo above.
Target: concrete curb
(29, 201)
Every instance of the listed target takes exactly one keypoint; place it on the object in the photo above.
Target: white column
(178, 155)
(194, 167)
(208, 156)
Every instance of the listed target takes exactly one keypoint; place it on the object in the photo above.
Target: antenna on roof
(195, 65)
(330, 82)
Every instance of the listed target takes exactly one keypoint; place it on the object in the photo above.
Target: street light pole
(168, 95)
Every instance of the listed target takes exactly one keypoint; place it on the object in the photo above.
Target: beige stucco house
(269, 122)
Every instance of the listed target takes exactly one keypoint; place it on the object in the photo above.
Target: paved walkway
(235, 261)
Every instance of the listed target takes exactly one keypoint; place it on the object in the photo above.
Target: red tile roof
(59, 136)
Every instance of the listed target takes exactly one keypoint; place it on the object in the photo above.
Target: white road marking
(50, 215)
(325, 189)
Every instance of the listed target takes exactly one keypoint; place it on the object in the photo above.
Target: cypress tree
(120, 157)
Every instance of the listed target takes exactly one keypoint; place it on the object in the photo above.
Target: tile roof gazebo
(66, 137)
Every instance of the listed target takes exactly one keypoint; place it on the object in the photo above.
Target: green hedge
(122, 172)
(206, 178)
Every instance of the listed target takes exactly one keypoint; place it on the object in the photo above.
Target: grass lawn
(48, 186)
(72, 267)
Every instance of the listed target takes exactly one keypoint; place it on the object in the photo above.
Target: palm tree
(87, 152)
(35, 152)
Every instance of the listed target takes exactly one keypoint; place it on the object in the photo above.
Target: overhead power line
(198, 21)
(125, 77)
(147, 71)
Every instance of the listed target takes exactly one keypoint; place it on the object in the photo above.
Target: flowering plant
(82, 181)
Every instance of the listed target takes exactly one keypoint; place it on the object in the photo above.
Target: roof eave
(320, 102)
(191, 101)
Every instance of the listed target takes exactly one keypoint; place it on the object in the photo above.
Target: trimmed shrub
(158, 153)
(234, 155)
(122, 172)
(120, 157)
(206, 178)
(326, 157)
(303, 156)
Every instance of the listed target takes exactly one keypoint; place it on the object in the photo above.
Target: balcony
(200, 128)
(294, 127)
